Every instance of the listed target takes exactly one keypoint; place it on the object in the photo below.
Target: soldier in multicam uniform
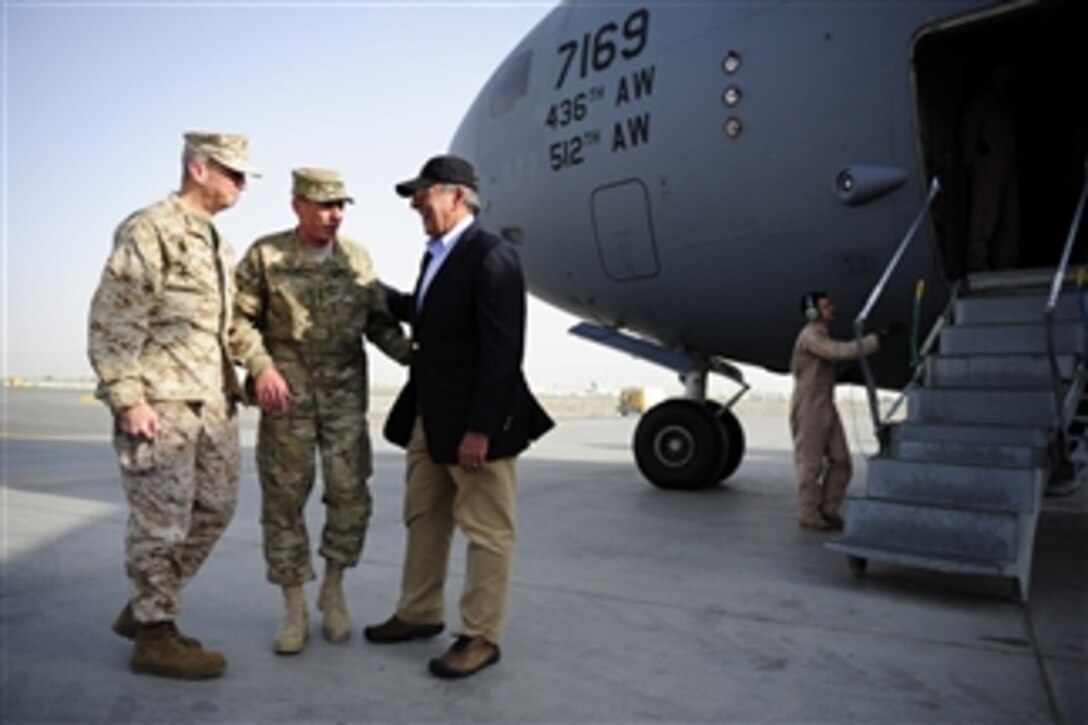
(157, 339)
(306, 297)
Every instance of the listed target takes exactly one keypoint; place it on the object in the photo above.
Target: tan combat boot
(335, 622)
(294, 630)
(126, 626)
(160, 651)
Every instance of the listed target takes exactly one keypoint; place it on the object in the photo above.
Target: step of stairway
(980, 535)
(1026, 308)
(954, 485)
(986, 406)
(1069, 338)
(1013, 370)
(994, 435)
(973, 453)
(865, 550)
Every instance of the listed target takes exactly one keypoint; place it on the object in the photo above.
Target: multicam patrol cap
(229, 149)
(320, 185)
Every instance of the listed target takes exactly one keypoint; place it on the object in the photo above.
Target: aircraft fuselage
(679, 171)
(681, 174)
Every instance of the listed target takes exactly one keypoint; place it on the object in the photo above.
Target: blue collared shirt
(439, 248)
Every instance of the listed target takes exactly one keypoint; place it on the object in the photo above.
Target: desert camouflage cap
(229, 149)
(319, 185)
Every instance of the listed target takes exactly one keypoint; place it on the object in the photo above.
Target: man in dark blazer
(464, 416)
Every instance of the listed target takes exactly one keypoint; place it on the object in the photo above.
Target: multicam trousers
(286, 448)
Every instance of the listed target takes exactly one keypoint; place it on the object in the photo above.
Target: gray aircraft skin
(679, 174)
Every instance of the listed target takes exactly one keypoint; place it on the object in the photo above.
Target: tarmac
(628, 603)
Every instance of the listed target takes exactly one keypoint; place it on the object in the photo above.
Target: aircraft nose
(465, 142)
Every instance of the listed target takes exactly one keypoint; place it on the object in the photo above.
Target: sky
(97, 95)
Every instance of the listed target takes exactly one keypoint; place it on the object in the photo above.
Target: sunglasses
(237, 177)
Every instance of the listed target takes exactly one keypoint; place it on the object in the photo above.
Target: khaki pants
(483, 505)
(182, 488)
(821, 456)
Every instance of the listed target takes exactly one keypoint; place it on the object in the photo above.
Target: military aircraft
(678, 174)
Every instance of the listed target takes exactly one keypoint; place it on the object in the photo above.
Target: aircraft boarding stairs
(958, 484)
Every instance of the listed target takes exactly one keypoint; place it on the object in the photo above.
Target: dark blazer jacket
(468, 342)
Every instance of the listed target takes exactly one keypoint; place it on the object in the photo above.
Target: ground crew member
(157, 340)
(820, 452)
(306, 296)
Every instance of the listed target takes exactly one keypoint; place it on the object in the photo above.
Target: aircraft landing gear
(679, 444)
(734, 440)
(689, 443)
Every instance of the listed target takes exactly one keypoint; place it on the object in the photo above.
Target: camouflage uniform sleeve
(382, 328)
(246, 341)
(119, 323)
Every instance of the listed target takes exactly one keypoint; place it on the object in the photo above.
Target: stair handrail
(1060, 421)
(878, 290)
(923, 352)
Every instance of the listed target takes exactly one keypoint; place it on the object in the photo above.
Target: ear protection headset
(809, 306)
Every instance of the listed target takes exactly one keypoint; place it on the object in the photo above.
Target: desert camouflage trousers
(286, 448)
(182, 488)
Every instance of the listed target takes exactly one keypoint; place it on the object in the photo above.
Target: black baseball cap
(444, 169)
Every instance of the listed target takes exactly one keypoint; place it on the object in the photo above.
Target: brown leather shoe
(467, 656)
(396, 629)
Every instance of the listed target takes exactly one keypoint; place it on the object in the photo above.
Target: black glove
(892, 329)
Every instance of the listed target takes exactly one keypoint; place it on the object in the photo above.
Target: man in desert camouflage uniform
(157, 339)
(306, 296)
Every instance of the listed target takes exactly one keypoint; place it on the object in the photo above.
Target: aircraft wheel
(734, 439)
(679, 444)
(734, 436)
